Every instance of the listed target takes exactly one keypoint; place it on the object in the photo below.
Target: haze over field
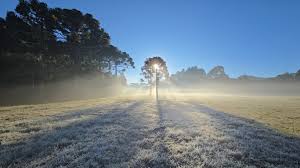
(149, 84)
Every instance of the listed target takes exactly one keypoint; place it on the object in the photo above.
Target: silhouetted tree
(115, 59)
(285, 76)
(41, 44)
(122, 61)
(190, 75)
(297, 76)
(148, 70)
(217, 72)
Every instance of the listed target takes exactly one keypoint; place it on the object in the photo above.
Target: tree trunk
(109, 66)
(151, 87)
(116, 69)
(33, 82)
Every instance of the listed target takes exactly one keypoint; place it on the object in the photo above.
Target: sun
(156, 66)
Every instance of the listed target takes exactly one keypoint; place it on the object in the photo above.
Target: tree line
(195, 74)
(41, 44)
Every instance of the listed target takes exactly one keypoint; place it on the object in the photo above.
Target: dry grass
(279, 112)
(137, 131)
(19, 122)
(91, 133)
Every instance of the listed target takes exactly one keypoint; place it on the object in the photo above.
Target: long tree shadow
(260, 146)
(153, 150)
(103, 139)
(164, 153)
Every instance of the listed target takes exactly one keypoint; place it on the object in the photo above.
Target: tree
(190, 75)
(115, 59)
(3, 35)
(122, 61)
(249, 77)
(40, 36)
(148, 70)
(285, 76)
(297, 76)
(217, 72)
(82, 37)
(41, 44)
(196, 72)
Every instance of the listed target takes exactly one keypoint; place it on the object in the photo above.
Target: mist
(82, 87)
(237, 87)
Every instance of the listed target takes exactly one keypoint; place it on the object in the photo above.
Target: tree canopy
(151, 66)
(217, 72)
(194, 75)
(148, 69)
(40, 44)
(191, 74)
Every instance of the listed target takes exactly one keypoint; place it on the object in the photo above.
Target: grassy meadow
(136, 131)
(278, 112)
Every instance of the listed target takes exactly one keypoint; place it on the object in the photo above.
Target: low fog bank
(75, 88)
(236, 87)
(90, 86)
(194, 79)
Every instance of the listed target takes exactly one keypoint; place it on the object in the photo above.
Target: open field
(137, 131)
(279, 112)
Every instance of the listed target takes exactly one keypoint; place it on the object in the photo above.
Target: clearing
(176, 131)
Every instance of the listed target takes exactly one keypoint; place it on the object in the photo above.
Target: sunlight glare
(156, 66)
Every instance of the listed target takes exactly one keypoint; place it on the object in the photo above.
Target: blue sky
(255, 37)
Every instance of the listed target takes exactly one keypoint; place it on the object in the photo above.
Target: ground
(176, 131)
(278, 112)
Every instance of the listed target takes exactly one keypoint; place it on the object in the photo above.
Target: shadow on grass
(154, 151)
(260, 146)
(164, 153)
(104, 139)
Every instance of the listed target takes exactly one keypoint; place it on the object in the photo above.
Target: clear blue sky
(255, 37)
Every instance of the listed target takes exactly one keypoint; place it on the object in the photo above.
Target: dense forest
(53, 54)
(42, 45)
